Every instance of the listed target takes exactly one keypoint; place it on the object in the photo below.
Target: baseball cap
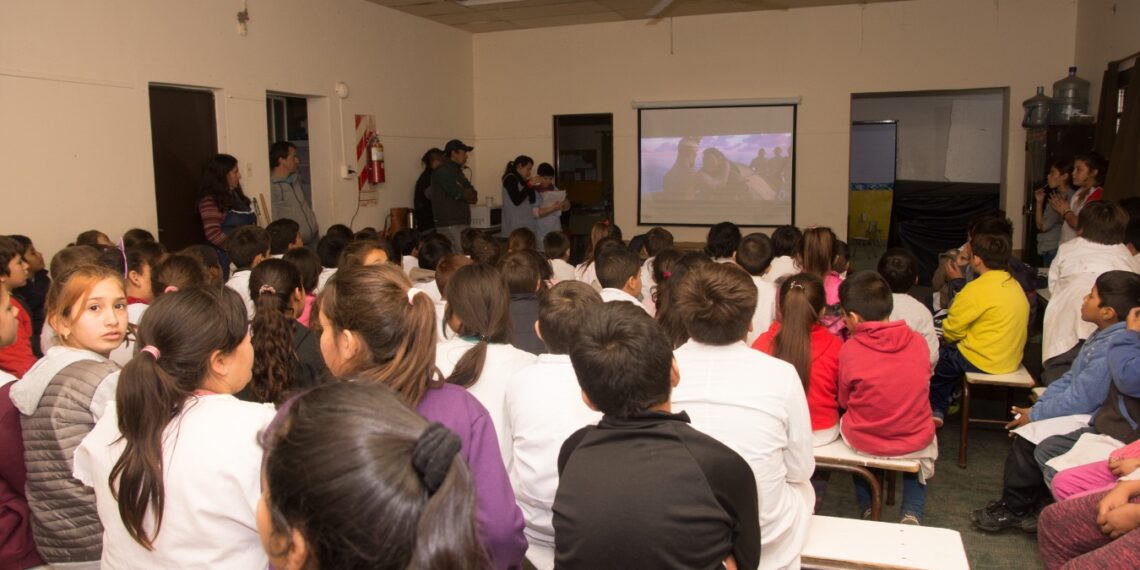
(456, 144)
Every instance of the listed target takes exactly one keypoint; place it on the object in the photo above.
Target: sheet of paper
(1039, 430)
(1090, 448)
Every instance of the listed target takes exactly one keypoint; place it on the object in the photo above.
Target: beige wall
(75, 151)
(822, 55)
(1107, 30)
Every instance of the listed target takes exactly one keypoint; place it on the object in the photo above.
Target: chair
(837, 456)
(850, 543)
(1019, 378)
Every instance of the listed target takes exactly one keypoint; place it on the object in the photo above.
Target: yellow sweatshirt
(989, 319)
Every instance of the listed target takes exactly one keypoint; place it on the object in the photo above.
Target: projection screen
(700, 165)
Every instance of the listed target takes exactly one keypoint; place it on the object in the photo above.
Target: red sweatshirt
(884, 384)
(17, 358)
(822, 385)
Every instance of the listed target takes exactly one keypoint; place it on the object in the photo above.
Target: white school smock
(610, 295)
(211, 462)
(543, 407)
(755, 404)
(503, 361)
(919, 319)
(1071, 276)
(766, 293)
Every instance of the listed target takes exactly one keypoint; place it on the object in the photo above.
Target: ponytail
(272, 285)
(394, 321)
(179, 331)
(817, 251)
(802, 298)
(478, 296)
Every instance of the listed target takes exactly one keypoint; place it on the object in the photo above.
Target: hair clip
(796, 285)
(267, 289)
(666, 274)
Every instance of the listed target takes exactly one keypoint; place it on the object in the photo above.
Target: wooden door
(184, 136)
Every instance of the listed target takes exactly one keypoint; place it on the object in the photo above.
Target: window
(1121, 87)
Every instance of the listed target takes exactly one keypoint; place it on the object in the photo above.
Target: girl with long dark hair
(518, 195)
(222, 204)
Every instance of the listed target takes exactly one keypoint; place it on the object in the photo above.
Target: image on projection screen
(704, 165)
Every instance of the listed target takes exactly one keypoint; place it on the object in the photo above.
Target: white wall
(952, 137)
(74, 76)
(822, 55)
(1107, 30)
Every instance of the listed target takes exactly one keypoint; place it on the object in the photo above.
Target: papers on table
(1039, 430)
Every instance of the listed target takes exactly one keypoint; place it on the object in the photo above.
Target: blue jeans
(913, 497)
(1048, 257)
(951, 367)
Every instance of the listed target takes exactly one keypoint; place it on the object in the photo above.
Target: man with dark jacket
(451, 193)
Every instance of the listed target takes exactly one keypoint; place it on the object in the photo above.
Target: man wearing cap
(452, 193)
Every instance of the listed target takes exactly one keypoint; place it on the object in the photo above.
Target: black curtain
(929, 218)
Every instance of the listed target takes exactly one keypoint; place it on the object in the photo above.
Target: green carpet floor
(954, 492)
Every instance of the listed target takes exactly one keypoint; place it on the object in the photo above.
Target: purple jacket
(500, 520)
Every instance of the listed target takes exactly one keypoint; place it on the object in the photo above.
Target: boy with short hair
(883, 372)
(987, 325)
(643, 489)
(755, 256)
(543, 406)
(17, 357)
(247, 247)
(748, 400)
(619, 274)
(556, 246)
(899, 267)
(722, 241)
(523, 275)
(785, 242)
(423, 277)
(284, 234)
(329, 250)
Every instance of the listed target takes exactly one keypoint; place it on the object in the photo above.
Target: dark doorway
(184, 135)
(584, 163)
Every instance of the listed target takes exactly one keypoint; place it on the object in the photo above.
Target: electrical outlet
(346, 172)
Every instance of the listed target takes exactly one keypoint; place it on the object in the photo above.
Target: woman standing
(425, 219)
(222, 204)
(518, 195)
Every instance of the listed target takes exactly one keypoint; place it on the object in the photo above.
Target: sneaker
(938, 418)
(996, 516)
(910, 518)
(867, 514)
(953, 409)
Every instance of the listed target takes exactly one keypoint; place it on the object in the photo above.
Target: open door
(184, 135)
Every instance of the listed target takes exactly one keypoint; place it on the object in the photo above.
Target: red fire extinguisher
(375, 160)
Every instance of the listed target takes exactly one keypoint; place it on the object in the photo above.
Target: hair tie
(267, 289)
(432, 456)
(666, 274)
(152, 350)
(484, 338)
(123, 253)
(796, 285)
(170, 289)
(412, 292)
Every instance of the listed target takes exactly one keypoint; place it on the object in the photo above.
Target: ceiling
(522, 14)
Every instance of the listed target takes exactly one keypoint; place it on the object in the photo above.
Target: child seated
(329, 250)
(785, 242)
(900, 269)
(1093, 531)
(799, 339)
(17, 357)
(522, 271)
(479, 357)
(643, 489)
(309, 265)
(1122, 402)
(767, 421)
(987, 325)
(521, 239)
(407, 246)
(722, 241)
(601, 232)
(284, 234)
(755, 256)
(1098, 248)
(246, 247)
(556, 246)
(543, 406)
(656, 241)
(444, 270)
(1082, 390)
(816, 255)
(883, 372)
(408, 495)
(619, 274)
(423, 277)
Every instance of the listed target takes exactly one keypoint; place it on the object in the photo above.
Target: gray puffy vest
(65, 523)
